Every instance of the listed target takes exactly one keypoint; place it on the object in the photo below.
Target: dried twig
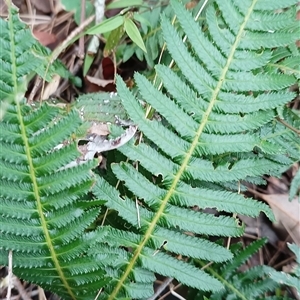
(161, 288)
(81, 39)
(74, 35)
(288, 125)
(10, 276)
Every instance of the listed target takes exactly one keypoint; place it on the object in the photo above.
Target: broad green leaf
(113, 40)
(88, 60)
(124, 3)
(141, 19)
(134, 33)
(107, 25)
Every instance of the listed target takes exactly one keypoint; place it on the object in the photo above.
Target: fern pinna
(43, 211)
(44, 208)
(208, 143)
(252, 283)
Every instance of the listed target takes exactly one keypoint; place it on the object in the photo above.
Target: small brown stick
(41, 294)
(98, 294)
(10, 276)
(71, 38)
(18, 297)
(37, 84)
(161, 288)
(81, 39)
(30, 12)
(288, 125)
(279, 250)
(172, 290)
(169, 292)
(18, 285)
(56, 53)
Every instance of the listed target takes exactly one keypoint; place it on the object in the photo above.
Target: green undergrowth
(161, 200)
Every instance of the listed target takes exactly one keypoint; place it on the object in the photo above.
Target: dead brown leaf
(51, 87)
(99, 81)
(44, 6)
(287, 213)
(44, 38)
(98, 129)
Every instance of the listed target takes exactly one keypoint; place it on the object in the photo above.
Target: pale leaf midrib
(187, 158)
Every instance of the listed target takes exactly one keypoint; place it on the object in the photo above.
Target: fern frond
(101, 107)
(202, 124)
(241, 257)
(21, 56)
(15, 55)
(43, 214)
(212, 114)
(295, 186)
(292, 279)
(250, 284)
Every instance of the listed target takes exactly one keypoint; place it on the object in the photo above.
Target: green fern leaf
(21, 56)
(15, 55)
(43, 214)
(212, 114)
(101, 107)
(250, 284)
(242, 256)
(288, 279)
(295, 186)
(286, 59)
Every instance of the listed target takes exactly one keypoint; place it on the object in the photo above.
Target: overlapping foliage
(214, 131)
(292, 279)
(250, 284)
